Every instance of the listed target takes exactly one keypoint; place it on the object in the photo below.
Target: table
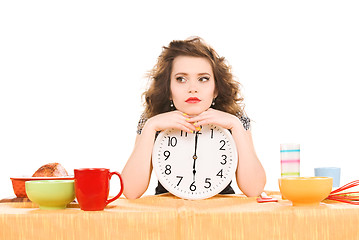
(168, 217)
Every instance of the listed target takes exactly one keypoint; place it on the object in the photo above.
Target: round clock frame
(195, 166)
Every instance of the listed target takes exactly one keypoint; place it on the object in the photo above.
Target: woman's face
(192, 84)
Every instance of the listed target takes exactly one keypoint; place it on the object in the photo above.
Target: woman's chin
(195, 112)
(192, 112)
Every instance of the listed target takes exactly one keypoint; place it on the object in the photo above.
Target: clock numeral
(192, 187)
(224, 159)
(166, 154)
(211, 132)
(180, 177)
(168, 170)
(224, 143)
(172, 141)
(220, 173)
(209, 183)
(185, 134)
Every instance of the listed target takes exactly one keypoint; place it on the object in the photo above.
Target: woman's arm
(251, 177)
(250, 173)
(136, 174)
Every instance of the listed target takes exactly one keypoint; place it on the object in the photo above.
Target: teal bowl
(51, 194)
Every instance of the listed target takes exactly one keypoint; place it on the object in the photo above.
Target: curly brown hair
(157, 97)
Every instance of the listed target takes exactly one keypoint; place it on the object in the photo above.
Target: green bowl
(51, 194)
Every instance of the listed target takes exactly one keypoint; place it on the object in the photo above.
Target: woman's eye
(204, 79)
(180, 79)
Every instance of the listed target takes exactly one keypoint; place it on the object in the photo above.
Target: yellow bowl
(51, 194)
(305, 191)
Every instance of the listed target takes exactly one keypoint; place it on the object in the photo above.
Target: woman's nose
(192, 87)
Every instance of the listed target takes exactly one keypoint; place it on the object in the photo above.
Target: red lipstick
(193, 100)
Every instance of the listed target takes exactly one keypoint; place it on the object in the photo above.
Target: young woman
(192, 86)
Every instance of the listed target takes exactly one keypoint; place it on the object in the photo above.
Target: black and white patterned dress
(244, 119)
(160, 189)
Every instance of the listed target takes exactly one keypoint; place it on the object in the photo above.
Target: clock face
(195, 166)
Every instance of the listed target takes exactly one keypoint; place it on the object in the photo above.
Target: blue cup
(332, 172)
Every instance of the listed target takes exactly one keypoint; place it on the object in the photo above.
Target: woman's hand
(251, 177)
(216, 117)
(173, 119)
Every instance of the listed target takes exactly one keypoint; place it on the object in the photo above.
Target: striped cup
(290, 160)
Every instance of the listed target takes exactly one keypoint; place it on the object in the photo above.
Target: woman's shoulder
(246, 121)
(141, 123)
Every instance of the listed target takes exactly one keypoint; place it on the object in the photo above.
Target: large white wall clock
(195, 166)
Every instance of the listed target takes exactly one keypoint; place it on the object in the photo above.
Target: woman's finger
(185, 127)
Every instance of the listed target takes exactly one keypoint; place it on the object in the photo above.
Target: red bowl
(18, 183)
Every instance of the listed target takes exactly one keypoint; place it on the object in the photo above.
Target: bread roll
(51, 170)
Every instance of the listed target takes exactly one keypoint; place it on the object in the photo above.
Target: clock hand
(194, 167)
(195, 144)
(195, 156)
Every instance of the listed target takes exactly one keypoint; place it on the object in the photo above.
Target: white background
(72, 74)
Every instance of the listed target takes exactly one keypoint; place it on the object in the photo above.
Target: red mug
(92, 186)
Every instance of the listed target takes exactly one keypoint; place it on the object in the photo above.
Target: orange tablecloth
(168, 217)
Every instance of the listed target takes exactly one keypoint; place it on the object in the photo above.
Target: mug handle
(119, 194)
